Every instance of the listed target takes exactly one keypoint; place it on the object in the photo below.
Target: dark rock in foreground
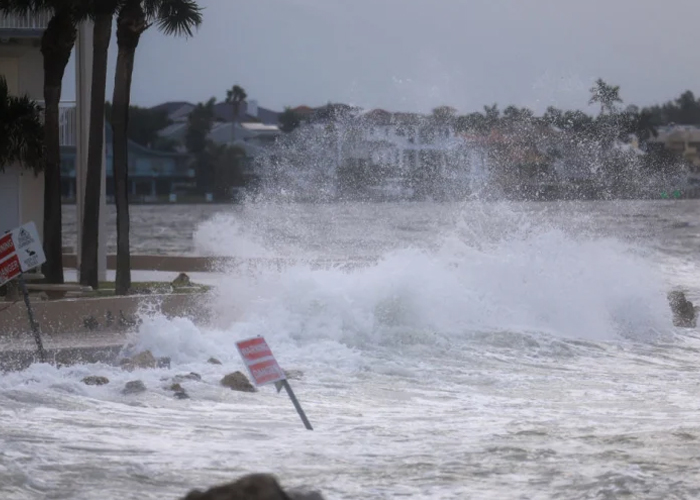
(238, 382)
(251, 487)
(134, 387)
(95, 380)
(684, 313)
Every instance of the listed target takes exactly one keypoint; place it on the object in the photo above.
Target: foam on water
(453, 369)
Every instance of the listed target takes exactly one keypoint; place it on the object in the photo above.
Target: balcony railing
(67, 122)
(28, 25)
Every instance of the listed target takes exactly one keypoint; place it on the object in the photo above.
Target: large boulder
(181, 280)
(684, 313)
(143, 359)
(134, 387)
(238, 382)
(251, 487)
(95, 380)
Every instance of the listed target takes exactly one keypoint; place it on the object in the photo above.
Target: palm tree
(606, 95)
(103, 14)
(173, 17)
(235, 97)
(21, 131)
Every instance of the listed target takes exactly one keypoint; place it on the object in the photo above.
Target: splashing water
(495, 357)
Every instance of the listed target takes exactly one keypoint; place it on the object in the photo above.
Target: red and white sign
(7, 247)
(261, 364)
(20, 247)
(9, 269)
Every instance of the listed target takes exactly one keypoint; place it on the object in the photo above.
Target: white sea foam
(508, 359)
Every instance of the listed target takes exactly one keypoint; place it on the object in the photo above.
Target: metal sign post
(296, 404)
(263, 369)
(32, 323)
(21, 251)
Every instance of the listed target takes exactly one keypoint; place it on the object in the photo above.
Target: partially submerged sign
(20, 251)
(260, 362)
(264, 369)
(9, 269)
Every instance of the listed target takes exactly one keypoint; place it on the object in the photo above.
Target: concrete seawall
(97, 314)
(84, 330)
(192, 264)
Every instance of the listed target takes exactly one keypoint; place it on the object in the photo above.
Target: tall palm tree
(103, 12)
(235, 96)
(173, 17)
(57, 44)
(21, 131)
(605, 95)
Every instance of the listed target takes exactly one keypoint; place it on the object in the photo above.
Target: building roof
(223, 111)
(260, 127)
(171, 106)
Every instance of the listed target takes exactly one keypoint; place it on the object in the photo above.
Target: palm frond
(21, 131)
(175, 17)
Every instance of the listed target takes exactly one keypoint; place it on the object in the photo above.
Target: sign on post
(260, 362)
(21, 251)
(264, 369)
(9, 269)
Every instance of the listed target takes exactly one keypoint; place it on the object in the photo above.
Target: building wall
(32, 199)
(9, 68)
(21, 192)
(9, 199)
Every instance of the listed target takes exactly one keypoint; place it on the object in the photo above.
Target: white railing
(37, 21)
(67, 122)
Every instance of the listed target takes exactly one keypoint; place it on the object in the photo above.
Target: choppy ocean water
(515, 351)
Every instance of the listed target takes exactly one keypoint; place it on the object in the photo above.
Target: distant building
(252, 129)
(151, 173)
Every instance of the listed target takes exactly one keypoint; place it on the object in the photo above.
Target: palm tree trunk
(56, 47)
(131, 23)
(102, 32)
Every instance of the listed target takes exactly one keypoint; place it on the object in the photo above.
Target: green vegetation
(21, 131)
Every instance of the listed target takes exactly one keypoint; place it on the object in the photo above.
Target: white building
(21, 63)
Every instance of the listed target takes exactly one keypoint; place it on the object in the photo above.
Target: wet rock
(163, 362)
(684, 313)
(134, 387)
(176, 388)
(293, 374)
(190, 376)
(181, 395)
(95, 380)
(181, 280)
(251, 487)
(213, 361)
(143, 359)
(236, 381)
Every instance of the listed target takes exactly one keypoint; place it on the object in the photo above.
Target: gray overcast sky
(414, 55)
